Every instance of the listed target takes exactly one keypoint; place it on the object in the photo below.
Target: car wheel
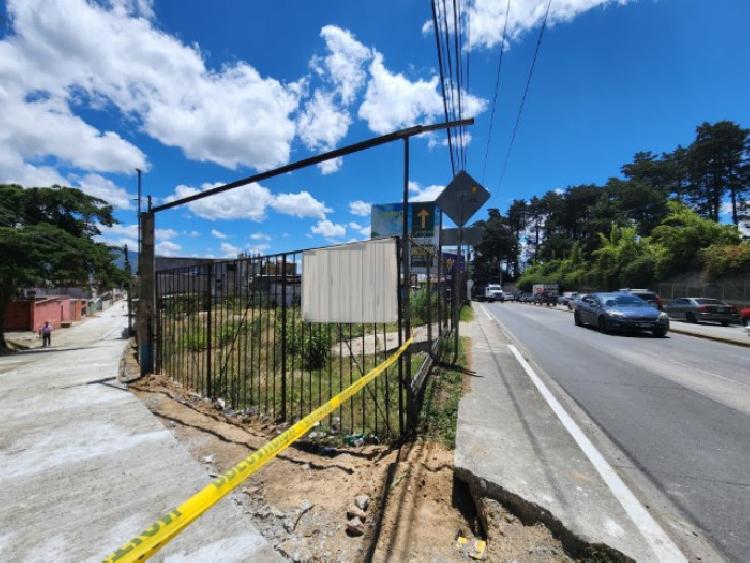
(577, 319)
(724, 323)
(660, 332)
(602, 324)
(745, 322)
(690, 317)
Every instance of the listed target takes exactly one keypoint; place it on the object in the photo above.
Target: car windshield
(708, 302)
(623, 301)
(646, 296)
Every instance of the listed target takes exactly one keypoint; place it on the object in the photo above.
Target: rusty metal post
(147, 297)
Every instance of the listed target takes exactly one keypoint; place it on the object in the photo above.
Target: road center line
(662, 546)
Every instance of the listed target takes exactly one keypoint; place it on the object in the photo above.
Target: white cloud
(364, 230)
(249, 202)
(359, 207)
(218, 234)
(260, 236)
(258, 249)
(331, 166)
(84, 53)
(488, 16)
(325, 118)
(392, 101)
(299, 205)
(167, 248)
(120, 234)
(345, 61)
(326, 228)
(424, 193)
(229, 250)
(427, 27)
(99, 186)
(193, 234)
(245, 202)
(322, 124)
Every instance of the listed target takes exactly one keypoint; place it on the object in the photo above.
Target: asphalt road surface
(678, 406)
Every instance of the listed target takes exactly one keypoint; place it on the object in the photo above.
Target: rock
(220, 403)
(207, 458)
(356, 512)
(172, 423)
(355, 527)
(306, 466)
(509, 518)
(362, 502)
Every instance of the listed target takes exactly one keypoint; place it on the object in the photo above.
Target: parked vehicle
(545, 293)
(620, 311)
(745, 316)
(567, 298)
(647, 295)
(698, 309)
(509, 296)
(493, 292)
(526, 298)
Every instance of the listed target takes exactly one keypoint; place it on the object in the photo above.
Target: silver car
(698, 309)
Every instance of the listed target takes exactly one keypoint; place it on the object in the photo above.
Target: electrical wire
(452, 103)
(436, 27)
(497, 90)
(457, 46)
(525, 94)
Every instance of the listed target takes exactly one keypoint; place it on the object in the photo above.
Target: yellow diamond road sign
(463, 197)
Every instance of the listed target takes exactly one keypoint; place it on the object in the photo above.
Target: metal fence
(234, 330)
(734, 291)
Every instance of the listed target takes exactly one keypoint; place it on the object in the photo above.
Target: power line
(452, 103)
(525, 93)
(497, 89)
(442, 81)
(468, 62)
(457, 44)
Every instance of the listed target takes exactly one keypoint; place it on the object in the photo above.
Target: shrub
(313, 345)
(722, 260)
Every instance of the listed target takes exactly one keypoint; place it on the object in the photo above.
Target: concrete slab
(512, 445)
(84, 466)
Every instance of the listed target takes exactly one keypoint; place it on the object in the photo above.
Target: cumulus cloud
(392, 101)
(103, 188)
(424, 193)
(81, 52)
(488, 16)
(359, 207)
(167, 248)
(218, 234)
(229, 250)
(364, 230)
(299, 205)
(325, 118)
(249, 202)
(260, 236)
(328, 229)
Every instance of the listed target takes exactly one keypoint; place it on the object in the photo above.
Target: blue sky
(199, 95)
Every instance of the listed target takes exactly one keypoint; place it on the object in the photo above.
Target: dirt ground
(299, 501)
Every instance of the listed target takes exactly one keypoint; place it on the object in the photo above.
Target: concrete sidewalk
(510, 445)
(84, 466)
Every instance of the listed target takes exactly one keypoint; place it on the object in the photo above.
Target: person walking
(46, 333)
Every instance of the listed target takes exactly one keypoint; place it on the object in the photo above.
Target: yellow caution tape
(153, 538)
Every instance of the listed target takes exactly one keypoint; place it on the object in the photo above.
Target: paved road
(678, 406)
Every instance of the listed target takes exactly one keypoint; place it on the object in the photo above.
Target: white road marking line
(485, 312)
(662, 546)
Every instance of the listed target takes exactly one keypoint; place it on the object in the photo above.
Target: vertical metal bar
(351, 380)
(208, 296)
(283, 338)
(400, 309)
(440, 276)
(406, 257)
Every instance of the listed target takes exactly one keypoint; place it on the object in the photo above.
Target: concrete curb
(709, 337)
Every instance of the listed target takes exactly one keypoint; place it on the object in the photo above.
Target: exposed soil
(299, 501)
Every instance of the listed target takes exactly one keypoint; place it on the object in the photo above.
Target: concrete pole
(147, 295)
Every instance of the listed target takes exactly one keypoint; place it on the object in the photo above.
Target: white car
(509, 296)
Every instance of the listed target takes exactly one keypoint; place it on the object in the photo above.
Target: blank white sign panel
(353, 283)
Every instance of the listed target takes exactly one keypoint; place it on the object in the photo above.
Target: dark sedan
(619, 311)
(697, 309)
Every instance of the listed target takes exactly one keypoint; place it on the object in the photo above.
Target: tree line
(660, 218)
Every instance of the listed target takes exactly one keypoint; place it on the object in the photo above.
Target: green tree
(498, 245)
(47, 237)
(716, 163)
